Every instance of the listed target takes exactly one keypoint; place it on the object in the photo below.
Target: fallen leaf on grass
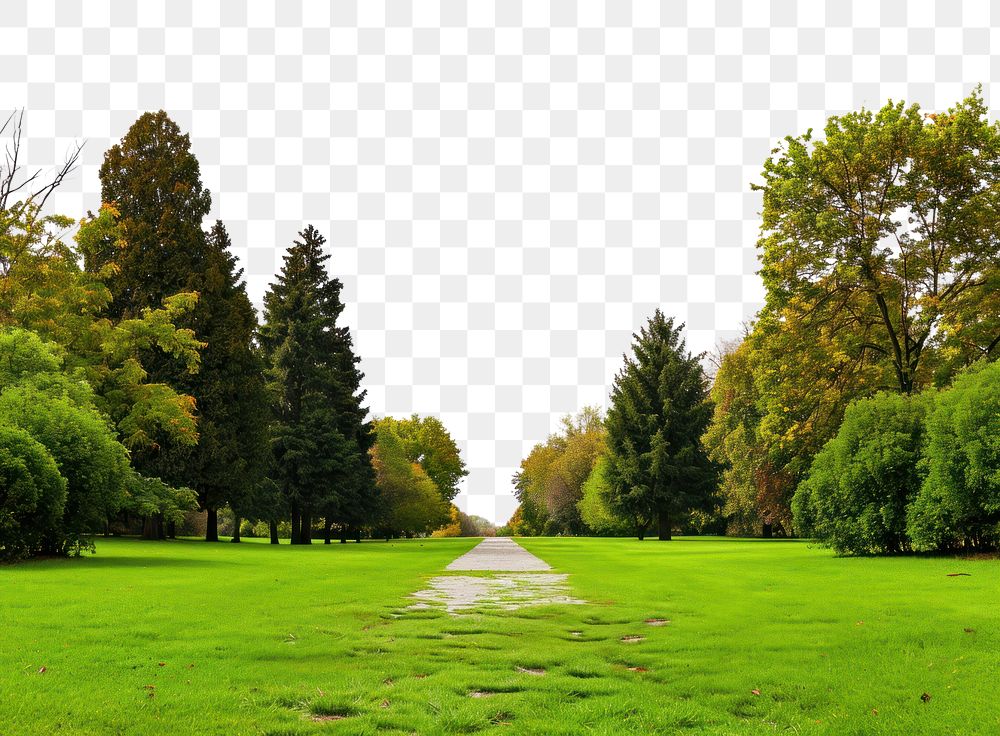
(925, 697)
(638, 669)
(874, 711)
(161, 664)
(959, 575)
(755, 691)
(384, 704)
(860, 623)
(42, 670)
(969, 631)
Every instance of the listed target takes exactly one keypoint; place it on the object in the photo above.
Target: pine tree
(154, 181)
(321, 437)
(657, 468)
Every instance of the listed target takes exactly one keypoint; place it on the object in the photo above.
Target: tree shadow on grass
(98, 560)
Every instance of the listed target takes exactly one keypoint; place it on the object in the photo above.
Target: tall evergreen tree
(657, 468)
(154, 181)
(321, 436)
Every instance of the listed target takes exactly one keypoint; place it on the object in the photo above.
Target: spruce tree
(657, 468)
(321, 436)
(154, 181)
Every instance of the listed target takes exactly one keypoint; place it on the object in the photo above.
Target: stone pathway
(501, 554)
(524, 584)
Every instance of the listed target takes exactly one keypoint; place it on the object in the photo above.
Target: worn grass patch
(756, 637)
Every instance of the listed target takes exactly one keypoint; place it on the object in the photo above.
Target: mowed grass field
(763, 637)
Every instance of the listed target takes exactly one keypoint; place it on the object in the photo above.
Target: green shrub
(959, 503)
(32, 495)
(593, 506)
(858, 488)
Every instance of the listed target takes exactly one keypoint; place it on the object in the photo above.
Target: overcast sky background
(508, 189)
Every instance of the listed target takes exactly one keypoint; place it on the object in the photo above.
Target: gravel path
(499, 554)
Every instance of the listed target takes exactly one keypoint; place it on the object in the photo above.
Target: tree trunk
(641, 531)
(172, 529)
(767, 532)
(212, 529)
(273, 524)
(236, 529)
(296, 525)
(343, 535)
(327, 525)
(305, 533)
(357, 536)
(663, 524)
(149, 528)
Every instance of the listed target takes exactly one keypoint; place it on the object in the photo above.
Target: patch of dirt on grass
(657, 621)
(457, 593)
(531, 670)
(632, 639)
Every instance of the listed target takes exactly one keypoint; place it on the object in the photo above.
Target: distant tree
(410, 501)
(595, 511)
(657, 467)
(958, 506)
(321, 436)
(860, 485)
(756, 492)
(427, 441)
(549, 484)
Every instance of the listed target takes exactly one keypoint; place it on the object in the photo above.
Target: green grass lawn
(187, 637)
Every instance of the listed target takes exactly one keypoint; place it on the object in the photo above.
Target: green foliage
(595, 511)
(59, 413)
(321, 435)
(549, 484)
(883, 232)
(856, 495)
(959, 503)
(154, 181)
(151, 497)
(755, 491)
(657, 467)
(410, 501)
(426, 441)
(32, 495)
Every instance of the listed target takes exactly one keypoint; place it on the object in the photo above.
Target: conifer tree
(154, 181)
(657, 468)
(321, 436)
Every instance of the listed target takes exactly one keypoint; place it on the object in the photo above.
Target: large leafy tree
(883, 237)
(426, 441)
(154, 182)
(410, 500)
(321, 435)
(657, 468)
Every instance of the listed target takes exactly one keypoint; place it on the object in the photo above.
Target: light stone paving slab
(526, 582)
(499, 554)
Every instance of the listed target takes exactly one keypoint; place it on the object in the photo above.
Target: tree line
(137, 384)
(861, 405)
